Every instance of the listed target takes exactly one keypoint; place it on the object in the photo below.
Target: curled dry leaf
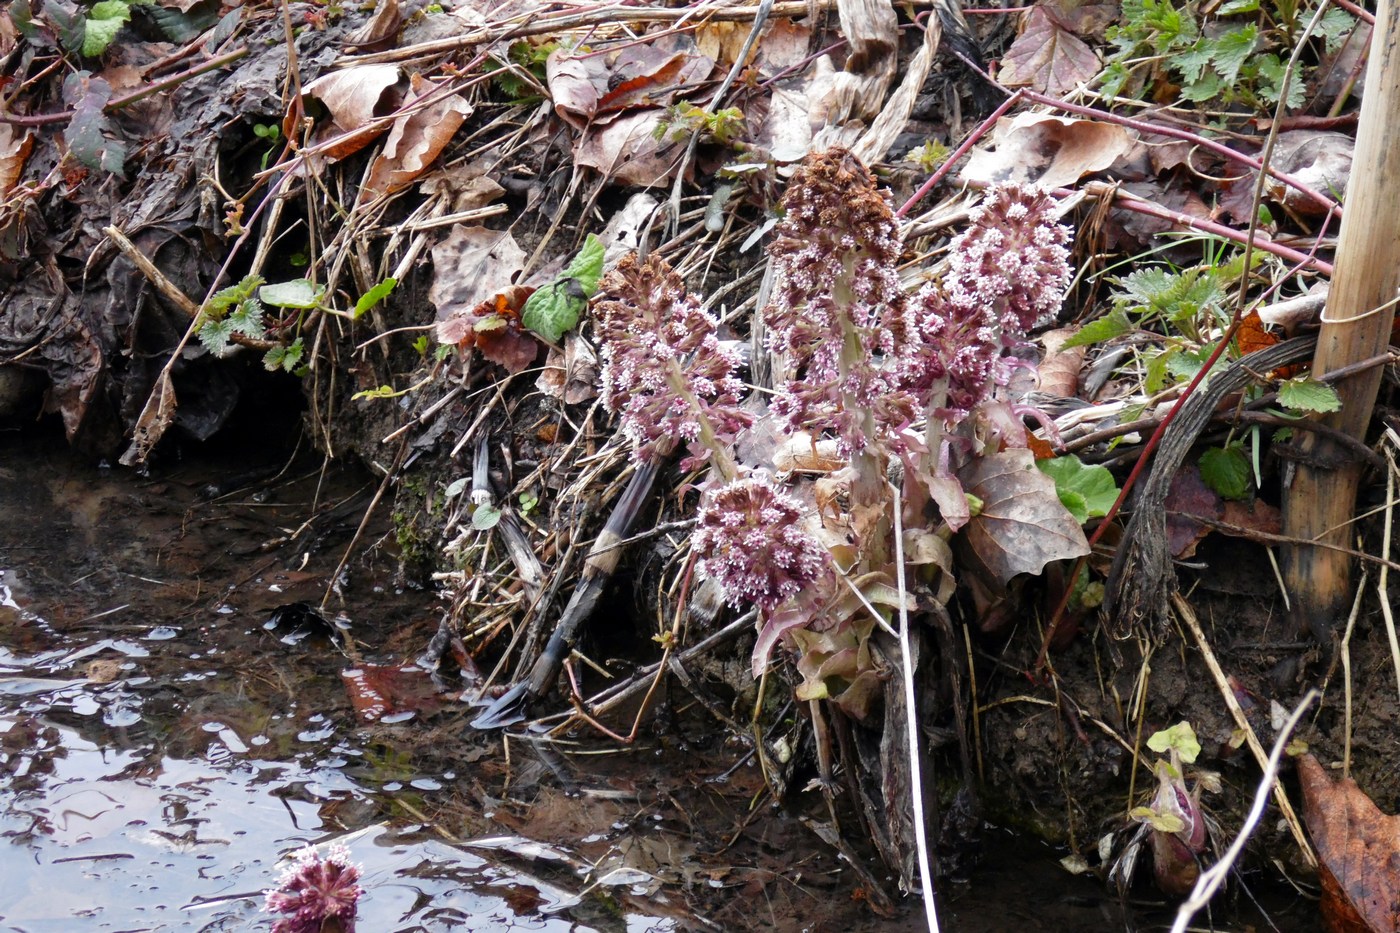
(155, 419)
(570, 375)
(1036, 148)
(493, 328)
(355, 97)
(15, 147)
(1022, 525)
(1047, 56)
(418, 137)
(647, 75)
(380, 29)
(1059, 371)
(1358, 851)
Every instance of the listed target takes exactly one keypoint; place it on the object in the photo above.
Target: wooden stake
(1320, 501)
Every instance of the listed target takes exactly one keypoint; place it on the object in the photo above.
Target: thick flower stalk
(316, 893)
(664, 370)
(748, 538)
(837, 313)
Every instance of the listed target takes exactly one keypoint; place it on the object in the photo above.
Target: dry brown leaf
(1059, 371)
(871, 29)
(627, 150)
(1047, 57)
(1036, 148)
(155, 419)
(382, 27)
(15, 146)
(418, 137)
(571, 375)
(1358, 851)
(583, 87)
(471, 266)
(354, 97)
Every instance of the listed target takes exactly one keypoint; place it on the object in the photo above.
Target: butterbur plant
(1175, 821)
(664, 370)
(316, 893)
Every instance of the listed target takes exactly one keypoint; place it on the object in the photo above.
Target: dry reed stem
(1188, 616)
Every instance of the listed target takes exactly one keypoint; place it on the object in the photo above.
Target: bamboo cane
(1320, 500)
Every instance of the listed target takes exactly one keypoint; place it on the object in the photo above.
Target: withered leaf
(155, 419)
(354, 97)
(1358, 851)
(1046, 150)
(15, 146)
(418, 137)
(1023, 525)
(1047, 57)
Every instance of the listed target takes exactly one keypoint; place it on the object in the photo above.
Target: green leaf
(551, 311)
(298, 293)
(104, 21)
(374, 296)
(215, 334)
(248, 319)
(381, 392)
(284, 358)
(1113, 324)
(1236, 7)
(1090, 487)
(1181, 738)
(485, 517)
(231, 296)
(456, 487)
(1303, 394)
(1232, 49)
(1226, 470)
(587, 266)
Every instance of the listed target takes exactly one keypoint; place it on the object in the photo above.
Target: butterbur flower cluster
(837, 311)
(748, 538)
(664, 370)
(314, 890)
(1006, 274)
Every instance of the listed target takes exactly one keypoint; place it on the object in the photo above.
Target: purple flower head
(748, 537)
(313, 890)
(837, 311)
(1006, 273)
(664, 370)
(1012, 260)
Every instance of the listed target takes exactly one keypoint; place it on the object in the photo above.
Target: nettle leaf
(1271, 71)
(1231, 50)
(374, 296)
(1113, 324)
(1087, 491)
(303, 294)
(587, 266)
(104, 21)
(1334, 26)
(1308, 395)
(86, 133)
(248, 318)
(1181, 738)
(1226, 471)
(232, 296)
(285, 358)
(215, 335)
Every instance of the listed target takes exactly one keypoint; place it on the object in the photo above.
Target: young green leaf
(284, 358)
(485, 517)
(1226, 471)
(215, 335)
(1113, 324)
(1087, 491)
(104, 20)
(1303, 394)
(556, 307)
(248, 318)
(298, 293)
(1181, 738)
(587, 266)
(374, 296)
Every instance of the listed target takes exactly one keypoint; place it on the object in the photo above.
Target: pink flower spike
(315, 889)
(748, 537)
